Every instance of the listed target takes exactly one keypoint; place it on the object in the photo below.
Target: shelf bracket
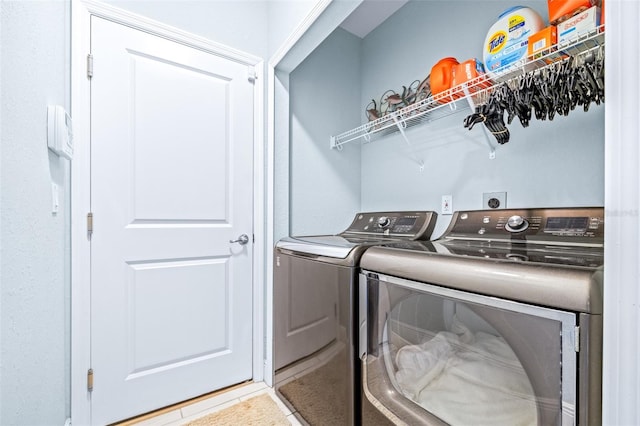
(487, 138)
(332, 142)
(406, 139)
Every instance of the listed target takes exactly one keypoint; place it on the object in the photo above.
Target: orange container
(561, 10)
(441, 77)
(543, 45)
(467, 71)
(542, 41)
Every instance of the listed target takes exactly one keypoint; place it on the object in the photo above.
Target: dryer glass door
(435, 354)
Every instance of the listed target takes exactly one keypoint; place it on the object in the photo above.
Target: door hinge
(576, 338)
(89, 225)
(89, 65)
(90, 380)
(252, 76)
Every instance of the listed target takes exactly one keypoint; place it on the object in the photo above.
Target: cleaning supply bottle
(441, 78)
(507, 40)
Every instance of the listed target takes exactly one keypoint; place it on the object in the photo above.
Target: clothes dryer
(498, 322)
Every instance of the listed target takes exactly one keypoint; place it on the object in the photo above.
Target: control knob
(383, 221)
(516, 223)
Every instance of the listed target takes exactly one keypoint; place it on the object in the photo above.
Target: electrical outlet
(494, 200)
(447, 204)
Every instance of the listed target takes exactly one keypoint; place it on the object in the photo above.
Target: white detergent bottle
(507, 40)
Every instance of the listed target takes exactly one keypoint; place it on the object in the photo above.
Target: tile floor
(185, 414)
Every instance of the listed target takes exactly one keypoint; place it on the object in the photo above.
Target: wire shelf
(463, 97)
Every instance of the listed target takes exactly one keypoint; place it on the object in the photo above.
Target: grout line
(178, 406)
(175, 415)
(266, 390)
(211, 410)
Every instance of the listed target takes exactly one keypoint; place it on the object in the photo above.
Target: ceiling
(369, 15)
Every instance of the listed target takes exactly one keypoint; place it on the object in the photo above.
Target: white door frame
(81, 12)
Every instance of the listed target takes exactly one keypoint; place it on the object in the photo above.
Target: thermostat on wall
(59, 131)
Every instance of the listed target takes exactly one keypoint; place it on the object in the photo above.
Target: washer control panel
(559, 224)
(414, 225)
(383, 222)
(516, 223)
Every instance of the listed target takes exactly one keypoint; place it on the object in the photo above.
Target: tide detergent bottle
(507, 39)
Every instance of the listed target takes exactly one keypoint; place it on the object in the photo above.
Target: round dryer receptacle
(493, 203)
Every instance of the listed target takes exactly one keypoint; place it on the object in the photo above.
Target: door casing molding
(81, 12)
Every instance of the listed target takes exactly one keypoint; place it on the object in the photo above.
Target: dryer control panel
(413, 225)
(565, 225)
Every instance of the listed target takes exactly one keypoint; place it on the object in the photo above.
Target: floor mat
(257, 411)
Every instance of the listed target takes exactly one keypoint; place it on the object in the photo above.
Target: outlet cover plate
(494, 200)
(447, 205)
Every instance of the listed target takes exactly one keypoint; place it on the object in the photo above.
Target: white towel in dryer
(467, 378)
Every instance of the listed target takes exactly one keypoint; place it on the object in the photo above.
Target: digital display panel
(567, 224)
(406, 221)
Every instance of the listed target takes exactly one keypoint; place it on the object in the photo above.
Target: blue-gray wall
(34, 291)
(1, 34)
(238, 24)
(257, 27)
(334, 79)
(550, 163)
(324, 92)
(283, 17)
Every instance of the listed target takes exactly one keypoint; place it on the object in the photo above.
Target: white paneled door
(171, 186)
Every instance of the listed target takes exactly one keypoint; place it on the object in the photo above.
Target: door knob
(242, 239)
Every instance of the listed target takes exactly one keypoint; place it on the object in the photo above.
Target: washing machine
(498, 322)
(316, 369)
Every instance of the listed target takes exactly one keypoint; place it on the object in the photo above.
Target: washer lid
(320, 245)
